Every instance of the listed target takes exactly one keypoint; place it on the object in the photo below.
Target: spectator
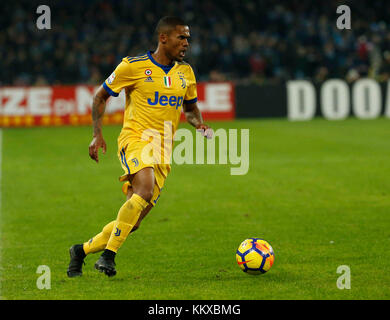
(251, 40)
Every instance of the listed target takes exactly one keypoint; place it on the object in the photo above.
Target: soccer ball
(255, 256)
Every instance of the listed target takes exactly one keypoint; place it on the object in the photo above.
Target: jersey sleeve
(119, 79)
(191, 95)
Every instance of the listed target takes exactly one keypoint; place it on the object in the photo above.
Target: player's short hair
(167, 24)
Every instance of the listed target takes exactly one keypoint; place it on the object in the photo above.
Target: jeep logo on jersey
(173, 101)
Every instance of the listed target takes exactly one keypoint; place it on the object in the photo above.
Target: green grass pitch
(318, 191)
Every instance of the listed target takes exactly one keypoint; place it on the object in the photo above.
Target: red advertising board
(71, 105)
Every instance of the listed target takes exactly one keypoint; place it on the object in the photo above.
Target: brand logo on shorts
(135, 161)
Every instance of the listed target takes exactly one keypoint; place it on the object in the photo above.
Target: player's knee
(147, 195)
(145, 192)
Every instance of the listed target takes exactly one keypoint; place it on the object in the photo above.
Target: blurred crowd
(260, 41)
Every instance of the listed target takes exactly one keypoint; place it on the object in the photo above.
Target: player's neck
(162, 58)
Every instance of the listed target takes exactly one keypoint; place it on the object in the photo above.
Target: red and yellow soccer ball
(255, 256)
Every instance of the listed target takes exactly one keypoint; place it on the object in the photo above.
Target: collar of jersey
(164, 67)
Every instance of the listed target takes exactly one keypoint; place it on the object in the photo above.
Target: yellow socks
(99, 242)
(127, 217)
(116, 232)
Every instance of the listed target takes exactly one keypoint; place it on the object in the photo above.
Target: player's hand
(205, 130)
(96, 143)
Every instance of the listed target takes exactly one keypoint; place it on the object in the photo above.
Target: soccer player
(157, 85)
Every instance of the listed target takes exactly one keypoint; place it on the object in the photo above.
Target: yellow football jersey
(154, 93)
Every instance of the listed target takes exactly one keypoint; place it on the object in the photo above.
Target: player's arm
(111, 87)
(190, 107)
(98, 108)
(194, 117)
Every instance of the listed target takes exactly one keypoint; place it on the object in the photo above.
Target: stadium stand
(265, 41)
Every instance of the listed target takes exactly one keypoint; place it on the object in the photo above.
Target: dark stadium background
(249, 41)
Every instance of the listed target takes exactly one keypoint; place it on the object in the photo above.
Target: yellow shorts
(130, 156)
